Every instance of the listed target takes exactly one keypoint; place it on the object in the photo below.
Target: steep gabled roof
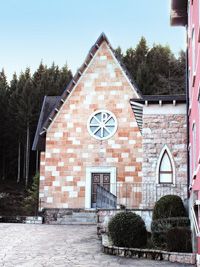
(78, 75)
(48, 103)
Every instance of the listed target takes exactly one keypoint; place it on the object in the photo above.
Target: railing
(194, 220)
(144, 195)
(105, 199)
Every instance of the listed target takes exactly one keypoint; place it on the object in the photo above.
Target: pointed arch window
(165, 169)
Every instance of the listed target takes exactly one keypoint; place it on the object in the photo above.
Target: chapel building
(104, 131)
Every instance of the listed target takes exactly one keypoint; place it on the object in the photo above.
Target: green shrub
(127, 229)
(160, 227)
(179, 239)
(31, 201)
(168, 206)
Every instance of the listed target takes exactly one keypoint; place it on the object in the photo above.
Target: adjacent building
(187, 14)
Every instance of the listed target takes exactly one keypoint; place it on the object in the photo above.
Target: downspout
(187, 112)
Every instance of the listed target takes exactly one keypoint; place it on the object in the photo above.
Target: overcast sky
(64, 30)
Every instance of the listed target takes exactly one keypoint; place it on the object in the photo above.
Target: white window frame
(193, 55)
(199, 23)
(190, 166)
(101, 124)
(188, 10)
(194, 148)
(165, 148)
(199, 123)
(88, 178)
(190, 90)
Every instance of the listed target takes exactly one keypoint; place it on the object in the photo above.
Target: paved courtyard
(60, 245)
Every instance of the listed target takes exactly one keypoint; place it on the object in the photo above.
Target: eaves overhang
(157, 99)
(178, 13)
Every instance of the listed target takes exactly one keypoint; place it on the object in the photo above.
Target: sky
(64, 30)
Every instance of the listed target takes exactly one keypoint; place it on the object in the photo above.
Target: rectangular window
(194, 147)
(188, 19)
(199, 12)
(189, 85)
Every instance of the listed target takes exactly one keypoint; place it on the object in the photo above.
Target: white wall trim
(111, 116)
(158, 163)
(88, 178)
(165, 109)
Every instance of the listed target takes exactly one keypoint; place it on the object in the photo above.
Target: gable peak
(75, 80)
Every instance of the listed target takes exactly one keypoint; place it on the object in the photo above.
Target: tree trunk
(27, 155)
(24, 167)
(3, 171)
(19, 161)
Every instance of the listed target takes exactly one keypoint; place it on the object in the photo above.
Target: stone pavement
(27, 245)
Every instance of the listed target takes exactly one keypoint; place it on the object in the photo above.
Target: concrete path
(59, 245)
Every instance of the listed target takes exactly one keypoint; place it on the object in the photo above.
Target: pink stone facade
(194, 82)
(70, 149)
(194, 102)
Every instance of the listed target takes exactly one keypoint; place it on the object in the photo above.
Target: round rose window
(102, 124)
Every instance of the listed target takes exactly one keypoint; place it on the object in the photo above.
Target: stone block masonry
(161, 130)
(69, 147)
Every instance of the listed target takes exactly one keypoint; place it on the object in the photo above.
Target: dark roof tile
(48, 103)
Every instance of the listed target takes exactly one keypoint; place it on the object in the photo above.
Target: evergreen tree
(156, 71)
(65, 76)
(26, 106)
(118, 50)
(141, 52)
(4, 96)
(129, 62)
(14, 123)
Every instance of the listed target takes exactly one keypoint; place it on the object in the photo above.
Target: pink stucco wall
(194, 112)
(193, 23)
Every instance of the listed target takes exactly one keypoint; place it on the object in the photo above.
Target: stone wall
(185, 258)
(164, 126)
(21, 219)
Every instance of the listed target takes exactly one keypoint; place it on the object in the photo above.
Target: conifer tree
(14, 123)
(119, 52)
(26, 105)
(4, 96)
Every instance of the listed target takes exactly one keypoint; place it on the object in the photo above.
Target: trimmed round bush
(168, 206)
(160, 227)
(127, 229)
(179, 239)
